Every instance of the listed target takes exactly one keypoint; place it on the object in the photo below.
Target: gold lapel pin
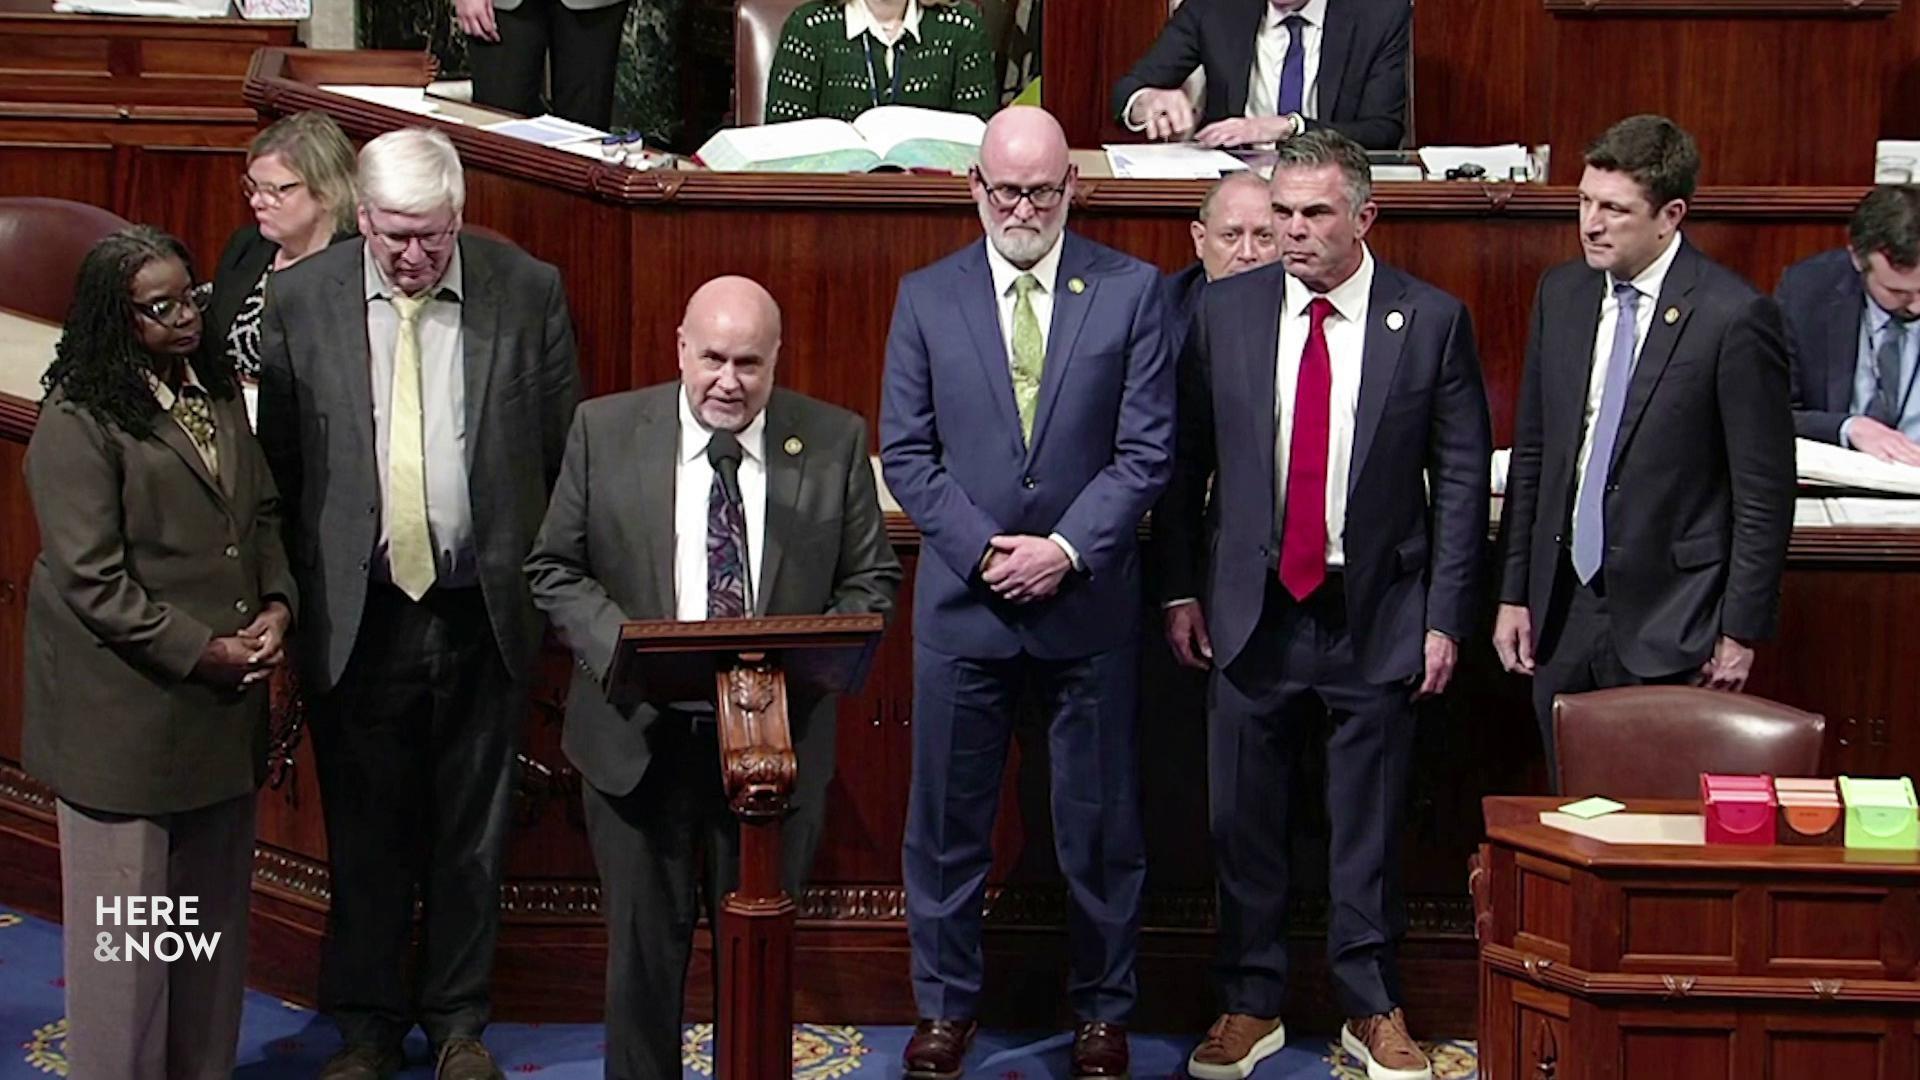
(1672, 316)
(1395, 320)
(1076, 286)
(793, 446)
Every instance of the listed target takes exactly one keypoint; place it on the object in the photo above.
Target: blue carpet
(280, 1040)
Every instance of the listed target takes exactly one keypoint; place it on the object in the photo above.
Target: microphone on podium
(724, 454)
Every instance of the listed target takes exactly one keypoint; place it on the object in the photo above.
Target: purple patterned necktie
(726, 552)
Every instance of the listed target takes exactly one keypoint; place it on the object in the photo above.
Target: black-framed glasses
(1008, 196)
(273, 194)
(172, 310)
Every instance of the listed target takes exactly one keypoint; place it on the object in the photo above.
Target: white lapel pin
(1076, 286)
(793, 446)
(1672, 316)
(1395, 320)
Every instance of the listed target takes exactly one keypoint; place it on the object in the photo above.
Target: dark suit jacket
(144, 558)
(605, 552)
(1101, 450)
(1699, 501)
(1363, 64)
(241, 264)
(316, 424)
(1417, 485)
(1183, 288)
(1821, 300)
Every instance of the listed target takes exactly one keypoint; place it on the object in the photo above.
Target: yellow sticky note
(1593, 807)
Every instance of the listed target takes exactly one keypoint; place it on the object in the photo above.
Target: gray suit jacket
(605, 552)
(145, 557)
(316, 424)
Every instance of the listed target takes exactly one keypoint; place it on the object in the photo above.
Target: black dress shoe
(362, 1061)
(938, 1049)
(1100, 1050)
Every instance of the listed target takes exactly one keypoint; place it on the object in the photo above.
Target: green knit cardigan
(817, 71)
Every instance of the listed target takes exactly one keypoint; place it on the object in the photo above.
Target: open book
(889, 137)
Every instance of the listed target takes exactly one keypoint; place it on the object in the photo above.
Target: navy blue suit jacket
(1820, 301)
(1363, 64)
(1102, 446)
(1417, 486)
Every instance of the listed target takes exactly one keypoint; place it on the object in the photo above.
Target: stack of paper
(411, 99)
(1830, 464)
(1170, 161)
(172, 9)
(548, 130)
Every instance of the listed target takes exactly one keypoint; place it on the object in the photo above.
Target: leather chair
(42, 242)
(1653, 742)
(756, 35)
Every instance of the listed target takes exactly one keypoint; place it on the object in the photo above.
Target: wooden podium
(745, 666)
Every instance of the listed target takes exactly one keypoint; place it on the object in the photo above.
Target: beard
(1022, 249)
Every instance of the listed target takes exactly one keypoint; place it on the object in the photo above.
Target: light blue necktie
(1589, 513)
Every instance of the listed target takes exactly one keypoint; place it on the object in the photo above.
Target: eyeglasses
(1007, 196)
(172, 310)
(271, 194)
(431, 243)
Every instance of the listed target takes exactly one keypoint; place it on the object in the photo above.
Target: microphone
(724, 454)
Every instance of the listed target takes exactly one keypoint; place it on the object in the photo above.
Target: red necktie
(1303, 535)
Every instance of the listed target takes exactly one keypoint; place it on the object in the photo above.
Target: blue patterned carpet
(280, 1040)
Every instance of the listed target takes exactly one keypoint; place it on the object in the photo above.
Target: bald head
(1024, 183)
(729, 343)
(1235, 231)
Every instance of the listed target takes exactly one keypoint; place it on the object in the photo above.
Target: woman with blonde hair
(840, 58)
(299, 184)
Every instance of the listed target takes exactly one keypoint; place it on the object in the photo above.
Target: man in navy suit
(1650, 496)
(1335, 403)
(1232, 232)
(1026, 425)
(1275, 69)
(1850, 315)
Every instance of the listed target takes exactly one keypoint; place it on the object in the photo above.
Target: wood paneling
(1747, 77)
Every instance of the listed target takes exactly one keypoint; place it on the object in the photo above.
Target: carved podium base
(754, 1036)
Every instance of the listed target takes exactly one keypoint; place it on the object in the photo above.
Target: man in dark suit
(1850, 315)
(1026, 425)
(1275, 69)
(631, 535)
(1650, 494)
(1232, 232)
(416, 387)
(1335, 404)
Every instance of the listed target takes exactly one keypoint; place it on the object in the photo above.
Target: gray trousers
(148, 1019)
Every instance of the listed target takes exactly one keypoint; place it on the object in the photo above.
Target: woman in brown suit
(157, 608)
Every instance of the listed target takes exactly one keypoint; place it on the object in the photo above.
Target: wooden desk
(1602, 961)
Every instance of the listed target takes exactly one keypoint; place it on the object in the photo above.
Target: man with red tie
(1336, 404)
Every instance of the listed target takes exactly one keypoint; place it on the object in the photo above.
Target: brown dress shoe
(465, 1059)
(1100, 1050)
(1384, 1046)
(1234, 1045)
(938, 1049)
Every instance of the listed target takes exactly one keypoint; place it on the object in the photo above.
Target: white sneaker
(1234, 1045)
(1383, 1044)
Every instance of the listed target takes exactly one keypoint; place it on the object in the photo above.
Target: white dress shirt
(860, 20)
(1047, 273)
(443, 399)
(1647, 284)
(1346, 333)
(1269, 56)
(692, 483)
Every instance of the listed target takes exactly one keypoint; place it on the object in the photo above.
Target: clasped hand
(1024, 568)
(249, 656)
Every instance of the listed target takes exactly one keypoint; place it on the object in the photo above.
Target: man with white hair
(1026, 425)
(415, 392)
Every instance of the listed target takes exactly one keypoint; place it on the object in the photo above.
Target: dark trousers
(963, 717)
(415, 751)
(649, 845)
(1578, 654)
(585, 47)
(1300, 652)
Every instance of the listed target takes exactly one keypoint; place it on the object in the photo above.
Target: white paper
(1810, 514)
(170, 9)
(1896, 161)
(1499, 161)
(1832, 464)
(411, 99)
(1874, 511)
(890, 125)
(1632, 828)
(26, 351)
(1170, 161)
(546, 130)
(734, 148)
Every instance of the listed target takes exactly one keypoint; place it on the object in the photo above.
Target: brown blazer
(144, 558)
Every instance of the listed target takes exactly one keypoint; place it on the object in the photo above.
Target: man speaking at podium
(713, 497)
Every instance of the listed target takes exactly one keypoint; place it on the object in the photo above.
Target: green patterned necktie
(194, 414)
(1029, 353)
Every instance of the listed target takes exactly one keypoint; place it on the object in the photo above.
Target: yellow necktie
(1029, 353)
(409, 541)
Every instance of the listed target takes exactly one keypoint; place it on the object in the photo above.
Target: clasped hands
(1023, 569)
(248, 657)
